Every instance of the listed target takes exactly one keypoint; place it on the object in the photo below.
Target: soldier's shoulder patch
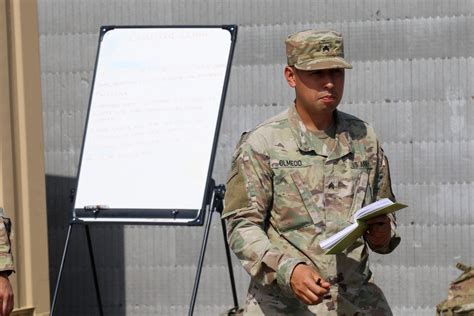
(236, 196)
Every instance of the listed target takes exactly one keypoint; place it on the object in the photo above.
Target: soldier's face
(318, 91)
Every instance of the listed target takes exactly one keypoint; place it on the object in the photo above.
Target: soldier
(297, 179)
(460, 299)
(6, 266)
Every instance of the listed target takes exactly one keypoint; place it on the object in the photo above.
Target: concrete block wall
(411, 80)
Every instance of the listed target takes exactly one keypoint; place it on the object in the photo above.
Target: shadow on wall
(77, 293)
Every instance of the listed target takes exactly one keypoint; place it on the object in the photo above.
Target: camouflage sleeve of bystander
(6, 257)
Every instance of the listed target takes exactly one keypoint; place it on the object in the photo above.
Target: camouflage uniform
(6, 257)
(460, 299)
(287, 191)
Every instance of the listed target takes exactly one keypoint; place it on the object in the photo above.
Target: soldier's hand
(379, 232)
(305, 285)
(6, 295)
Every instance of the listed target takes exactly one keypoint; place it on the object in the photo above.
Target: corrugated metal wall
(412, 79)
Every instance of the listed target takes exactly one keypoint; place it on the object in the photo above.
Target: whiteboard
(152, 125)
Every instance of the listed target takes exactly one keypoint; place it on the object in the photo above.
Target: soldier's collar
(343, 138)
(302, 137)
(299, 130)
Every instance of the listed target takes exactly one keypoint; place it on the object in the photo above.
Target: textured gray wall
(412, 80)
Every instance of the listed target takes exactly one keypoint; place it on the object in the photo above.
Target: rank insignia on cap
(325, 49)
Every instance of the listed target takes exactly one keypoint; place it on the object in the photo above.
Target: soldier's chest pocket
(348, 191)
(295, 200)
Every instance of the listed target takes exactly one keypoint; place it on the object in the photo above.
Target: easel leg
(61, 267)
(200, 262)
(216, 205)
(94, 272)
(229, 264)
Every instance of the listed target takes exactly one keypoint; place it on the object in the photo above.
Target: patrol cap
(316, 49)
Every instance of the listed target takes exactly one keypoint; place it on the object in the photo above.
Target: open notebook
(344, 238)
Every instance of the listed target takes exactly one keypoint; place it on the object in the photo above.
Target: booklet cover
(346, 237)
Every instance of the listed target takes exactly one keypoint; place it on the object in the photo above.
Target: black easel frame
(212, 199)
(215, 205)
(63, 260)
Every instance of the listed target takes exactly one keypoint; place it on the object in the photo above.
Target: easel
(215, 204)
(125, 39)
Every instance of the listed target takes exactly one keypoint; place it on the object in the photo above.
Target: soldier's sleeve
(383, 189)
(246, 205)
(6, 257)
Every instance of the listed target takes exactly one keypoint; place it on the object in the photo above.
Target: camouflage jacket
(6, 257)
(460, 299)
(287, 191)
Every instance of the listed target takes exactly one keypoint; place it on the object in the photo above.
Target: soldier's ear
(290, 76)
